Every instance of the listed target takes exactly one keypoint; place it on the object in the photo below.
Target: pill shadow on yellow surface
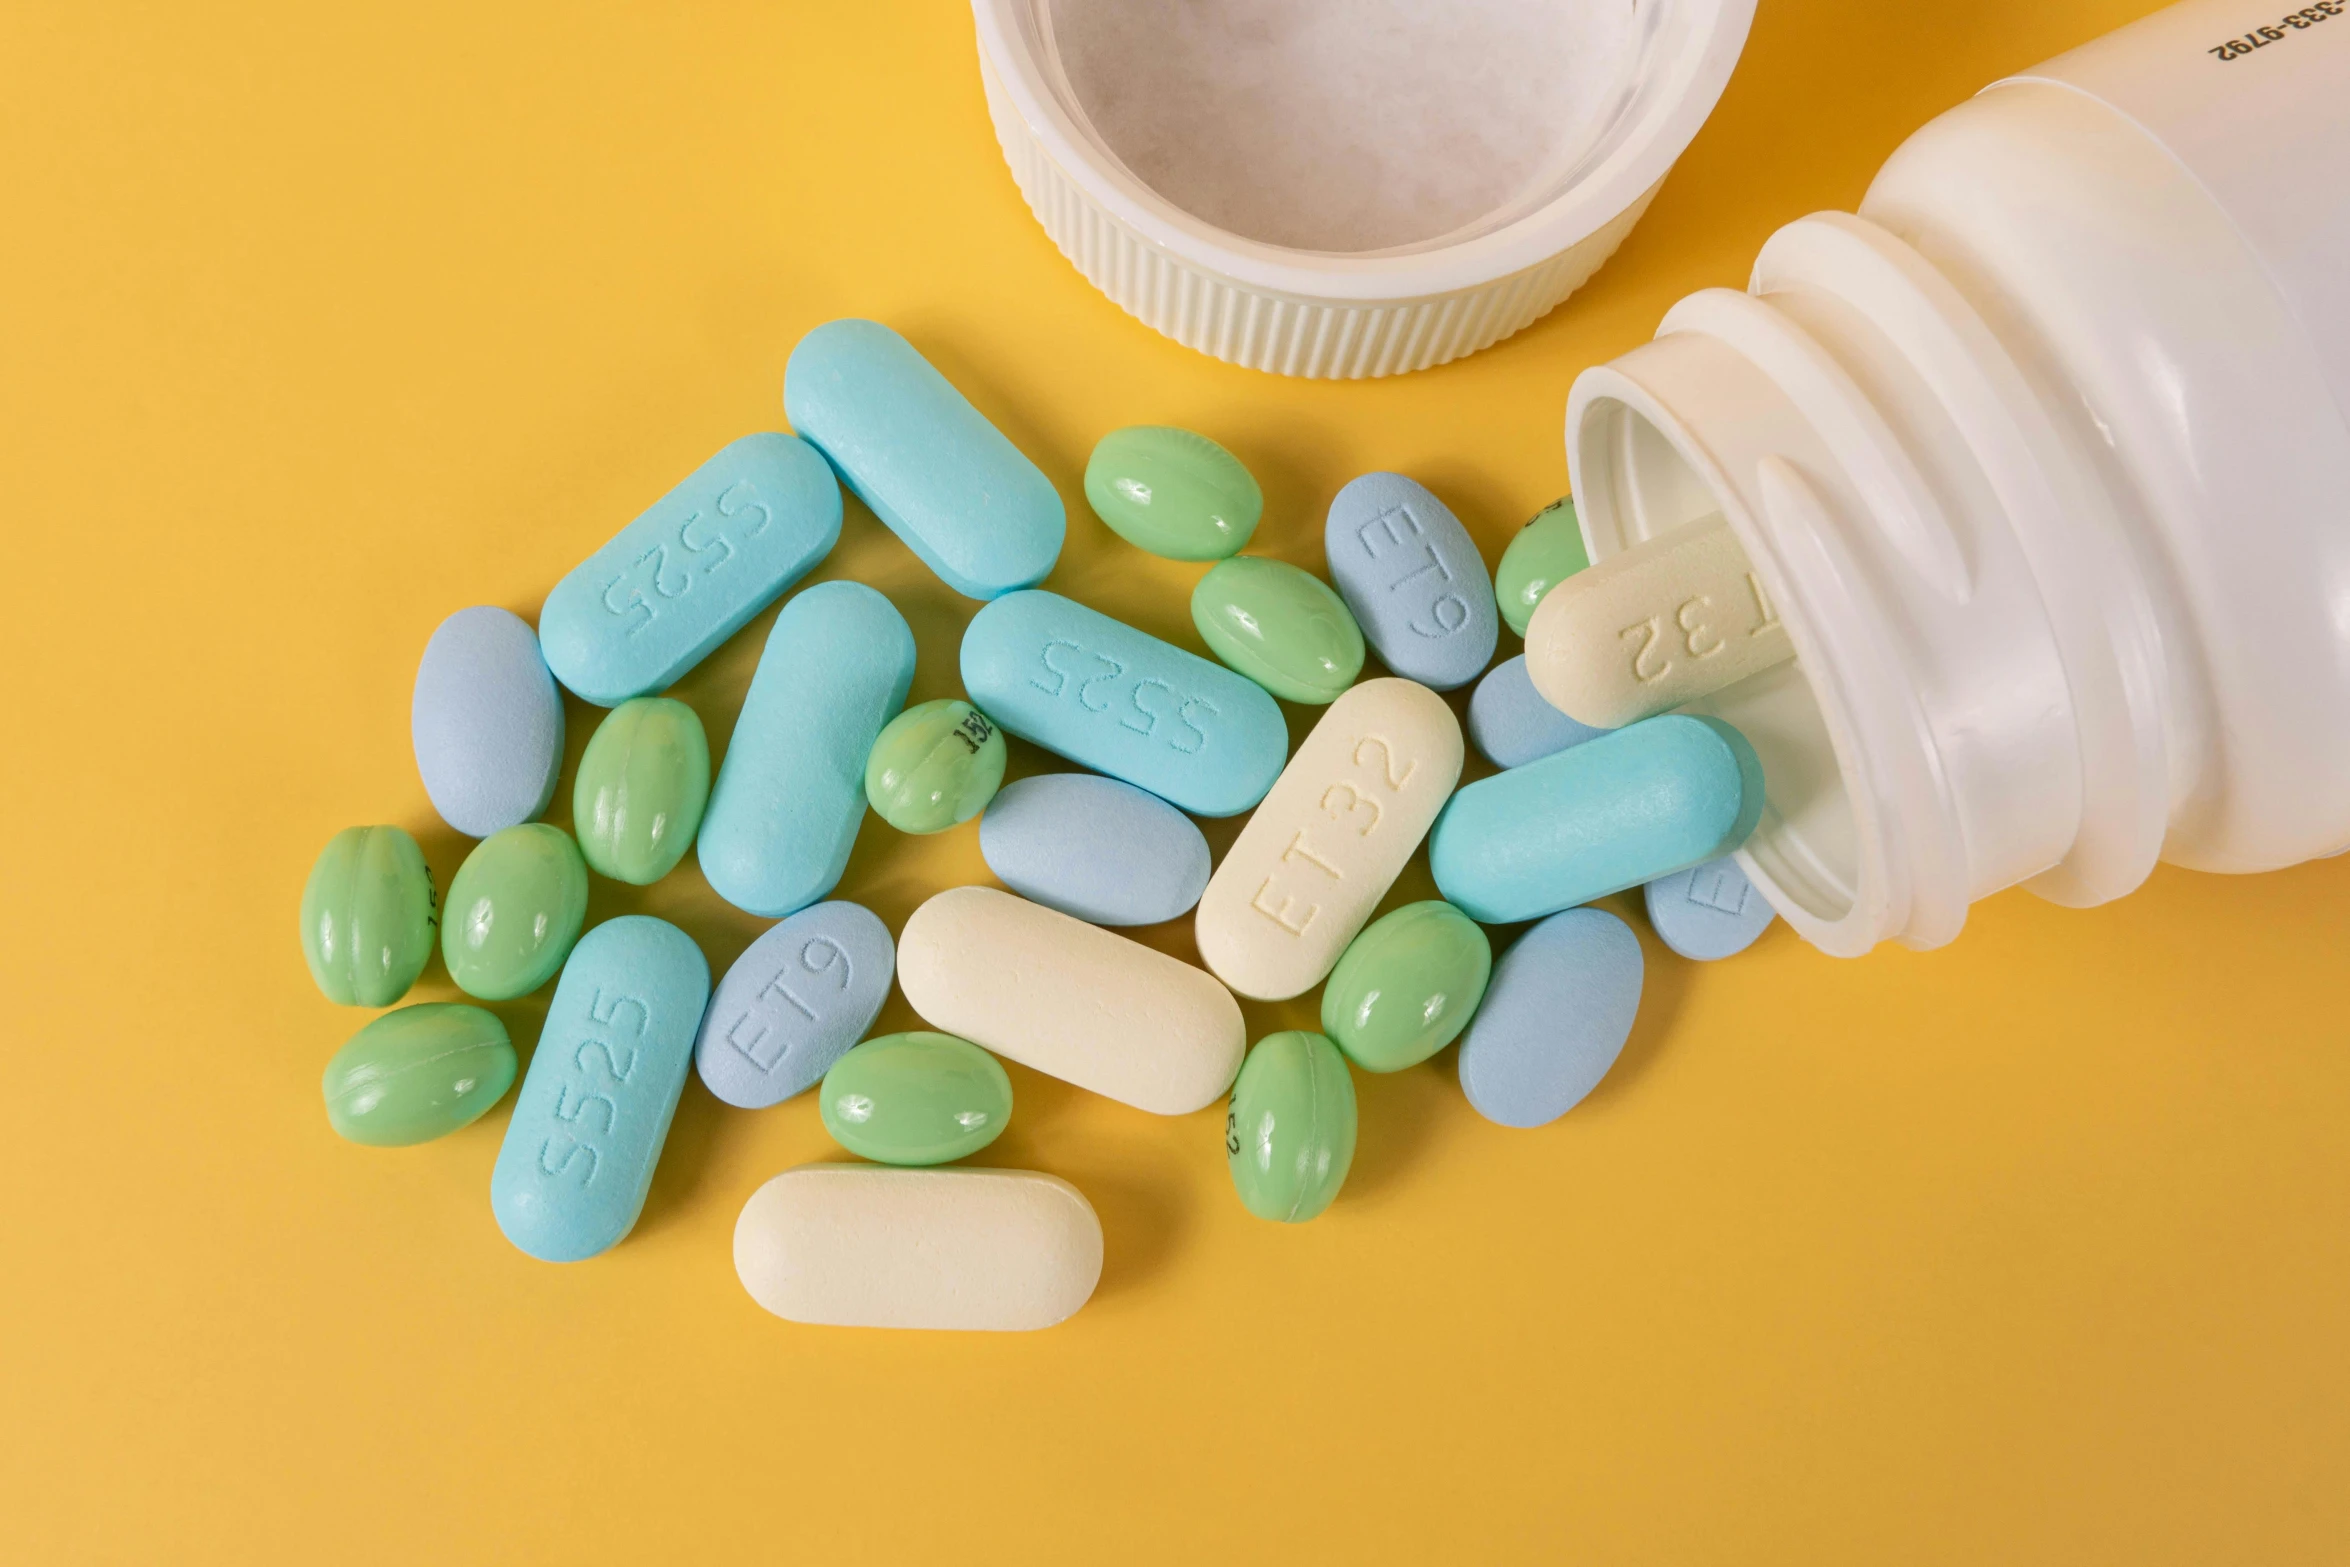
(1127, 1162)
(1664, 985)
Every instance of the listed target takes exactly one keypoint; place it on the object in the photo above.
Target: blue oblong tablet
(794, 1003)
(790, 795)
(1513, 725)
(1635, 804)
(930, 466)
(486, 721)
(1554, 1018)
(651, 604)
(1099, 850)
(594, 1110)
(1413, 577)
(1122, 702)
(1708, 911)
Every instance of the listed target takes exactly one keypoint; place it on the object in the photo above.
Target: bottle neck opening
(1927, 746)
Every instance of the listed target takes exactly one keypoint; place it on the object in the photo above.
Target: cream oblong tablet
(1071, 1000)
(1329, 839)
(1670, 620)
(868, 1246)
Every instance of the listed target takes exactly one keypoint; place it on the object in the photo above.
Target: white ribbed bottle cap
(1347, 190)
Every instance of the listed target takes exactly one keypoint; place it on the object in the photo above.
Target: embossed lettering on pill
(702, 543)
(696, 564)
(1413, 578)
(1123, 702)
(1329, 839)
(595, 1106)
(796, 999)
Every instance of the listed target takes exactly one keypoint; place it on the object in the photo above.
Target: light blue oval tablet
(794, 1003)
(1100, 850)
(1638, 803)
(1122, 702)
(1708, 911)
(1554, 1018)
(1512, 725)
(1418, 588)
(930, 466)
(487, 722)
(790, 795)
(651, 604)
(594, 1110)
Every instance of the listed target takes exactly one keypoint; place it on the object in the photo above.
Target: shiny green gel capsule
(417, 1074)
(1546, 552)
(1407, 986)
(918, 1098)
(641, 789)
(367, 916)
(515, 908)
(1291, 1129)
(934, 766)
(1284, 628)
(1172, 492)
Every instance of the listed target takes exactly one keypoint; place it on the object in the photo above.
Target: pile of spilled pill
(1625, 793)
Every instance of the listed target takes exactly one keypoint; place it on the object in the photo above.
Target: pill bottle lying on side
(2041, 462)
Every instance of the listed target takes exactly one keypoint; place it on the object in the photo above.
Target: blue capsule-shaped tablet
(1413, 577)
(1102, 851)
(1554, 1018)
(1122, 702)
(930, 466)
(1511, 723)
(1708, 911)
(486, 721)
(651, 604)
(1638, 803)
(594, 1110)
(790, 795)
(794, 1003)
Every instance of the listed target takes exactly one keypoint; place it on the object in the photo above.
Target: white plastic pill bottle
(2043, 461)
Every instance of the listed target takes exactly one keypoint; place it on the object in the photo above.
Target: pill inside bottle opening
(1667, 622)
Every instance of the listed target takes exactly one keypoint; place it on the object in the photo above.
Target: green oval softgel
(936, 765)
(1284, 628)
(1407, 986)
(1172, 492)
(367, 916)
(917, 1098)
(417, 1074)
(642, 785)
(1290, 1133)
(1546, 552)
(515, 908)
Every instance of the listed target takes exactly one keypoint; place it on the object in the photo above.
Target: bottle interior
(1635, 484)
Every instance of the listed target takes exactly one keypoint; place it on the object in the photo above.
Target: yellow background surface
(320, 322)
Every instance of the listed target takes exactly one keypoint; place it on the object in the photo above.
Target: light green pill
(1284, 628)
(1291, 1129)
(417, 1074)
(918, 1098)
(1172, 492)
(641, 789)
(367, 916)
(1546, 552)
(1407, 986)
(515, 908)
(936, 765)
